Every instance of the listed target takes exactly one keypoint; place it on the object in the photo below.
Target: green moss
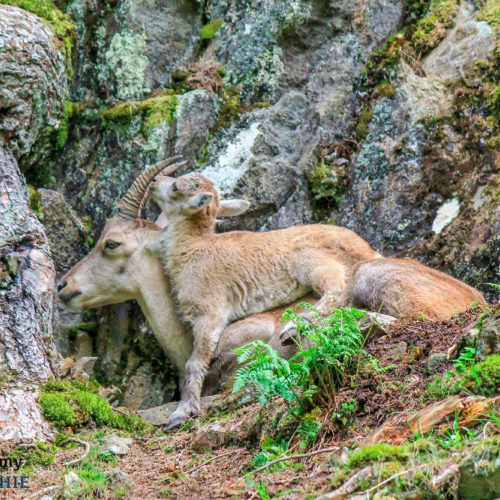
(35, 206)
(483, 378)
(325, 183)
(56, 409)
(154, 111)
(363, 124)
(209, 30)
(71, 110)
(431, 29)
(378, 452)
(490, 13)
(74, 404)
(160, 110)
(384, 89)
(59, 22)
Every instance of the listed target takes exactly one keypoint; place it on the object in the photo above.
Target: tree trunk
(26, 286)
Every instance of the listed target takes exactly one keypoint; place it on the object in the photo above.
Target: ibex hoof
(183, 413)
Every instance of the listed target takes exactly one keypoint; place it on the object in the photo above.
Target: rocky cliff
(381, 116)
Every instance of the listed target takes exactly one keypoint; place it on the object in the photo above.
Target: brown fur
(407, 288)
(218, 278)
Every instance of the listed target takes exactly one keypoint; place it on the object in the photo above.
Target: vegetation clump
(490, 13)
(363, 124)
(378, 453)
(327, 183)
(327, 354)
(153, 111)
(74, 404)
(210, 30)
(431, 29)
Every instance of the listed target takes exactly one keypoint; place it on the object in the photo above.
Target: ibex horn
(131, 203)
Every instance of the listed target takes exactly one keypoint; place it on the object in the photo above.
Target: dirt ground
(167, 466)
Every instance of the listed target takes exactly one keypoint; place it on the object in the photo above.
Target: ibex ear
(200, 201)
(161, 221)
(230, 208)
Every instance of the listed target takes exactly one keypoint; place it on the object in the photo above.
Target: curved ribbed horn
(130, 205)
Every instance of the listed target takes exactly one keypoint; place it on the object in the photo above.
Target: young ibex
(123, 266)
(218, 278)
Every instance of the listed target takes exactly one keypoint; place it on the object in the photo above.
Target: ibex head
(188, 195)
(108, 275)
(123, 263)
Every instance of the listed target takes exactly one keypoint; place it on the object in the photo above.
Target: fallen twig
(349, 486)
(291, 457)
(75, 440)
(45, 490)
(389, 479)
(190, 471)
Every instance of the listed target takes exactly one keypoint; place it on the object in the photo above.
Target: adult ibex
(219, 278)
(123, 266)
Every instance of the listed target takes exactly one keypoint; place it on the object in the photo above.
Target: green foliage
(74, 404)
(326, 184)
(209, 30)
(347, 409)
(333, 345)
(377, 453)
(309, 428)
(431, 29)
(56, 409)
(490, 13)
(327, 352)
(39, 455)
(59, 22)
(270, 450)
(465, 359)
(71, 109)
(384, 89)
(484, 377)
(154, 111)
(478, 378)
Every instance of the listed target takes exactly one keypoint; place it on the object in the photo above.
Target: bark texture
(26, 286)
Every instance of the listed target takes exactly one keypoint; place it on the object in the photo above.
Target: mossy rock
(378, 453)
(74, 404)
(480, 473)
(153, 111)
(59, 22)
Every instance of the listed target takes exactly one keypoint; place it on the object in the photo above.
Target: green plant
(465, 359)
(270, 450)
(316, 372)
(328, 350)
(260, 487)
(345, 412)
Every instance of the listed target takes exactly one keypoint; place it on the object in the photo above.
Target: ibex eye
(112, 244)
(175, 187)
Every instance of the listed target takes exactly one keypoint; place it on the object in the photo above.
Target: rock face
(26, 283)
(34, 84)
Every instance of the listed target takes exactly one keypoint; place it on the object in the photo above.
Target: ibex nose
(61, 285)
